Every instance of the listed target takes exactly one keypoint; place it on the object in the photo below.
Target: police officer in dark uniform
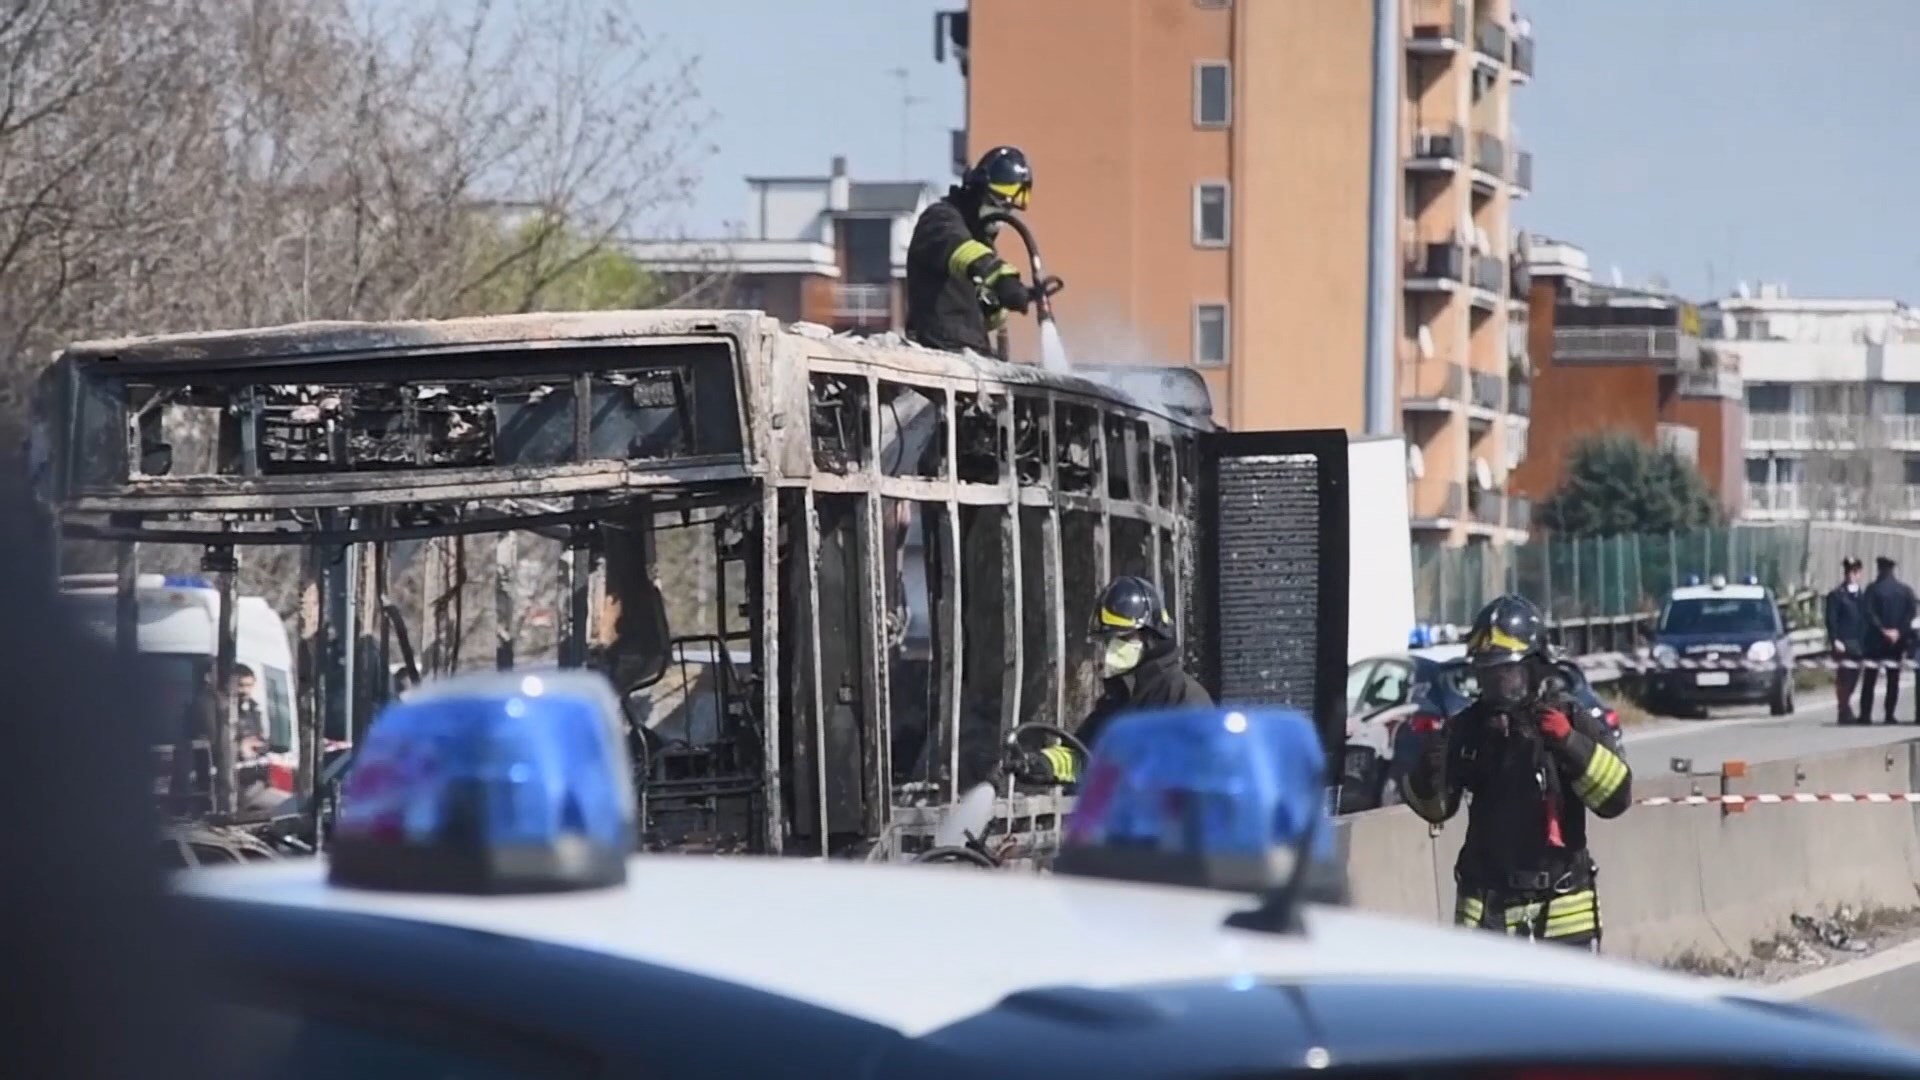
(1890, 608)
(958, 289)
(1847, 635)
(1535, 763)
(1140, 666)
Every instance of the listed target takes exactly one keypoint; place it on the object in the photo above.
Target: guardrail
(1679, 878)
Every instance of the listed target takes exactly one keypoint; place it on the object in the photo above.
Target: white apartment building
(1833, 404)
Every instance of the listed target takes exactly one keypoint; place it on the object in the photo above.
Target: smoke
(1102, 337)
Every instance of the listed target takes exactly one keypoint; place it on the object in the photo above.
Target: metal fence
(1605, 577)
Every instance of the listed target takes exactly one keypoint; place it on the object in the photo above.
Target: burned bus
(830, 577)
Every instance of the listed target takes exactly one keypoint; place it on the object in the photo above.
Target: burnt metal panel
(1273, 506)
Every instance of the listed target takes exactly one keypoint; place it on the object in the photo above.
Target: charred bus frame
(814, 461)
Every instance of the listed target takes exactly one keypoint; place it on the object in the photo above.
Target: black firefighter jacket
(1530, 792)
(1158, 683)
(950, 261)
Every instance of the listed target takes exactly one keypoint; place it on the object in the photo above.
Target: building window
(1212, 94)
(1757, 470)
(1769, 398)
(1209, 335)
(1211, 214)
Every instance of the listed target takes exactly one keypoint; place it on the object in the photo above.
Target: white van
(179, 623)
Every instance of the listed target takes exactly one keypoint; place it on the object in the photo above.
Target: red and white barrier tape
(1767, 800)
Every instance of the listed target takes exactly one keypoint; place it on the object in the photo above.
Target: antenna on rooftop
(907, 101)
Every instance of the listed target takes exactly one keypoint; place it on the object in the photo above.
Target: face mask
(1853, 586)
(1121, 655)
(1505, 686)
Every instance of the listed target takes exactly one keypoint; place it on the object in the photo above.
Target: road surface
(1751, 735)
(1882, 990)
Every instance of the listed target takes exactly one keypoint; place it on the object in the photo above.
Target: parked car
(1385, 695)
(1721, 644)
(1392, 701)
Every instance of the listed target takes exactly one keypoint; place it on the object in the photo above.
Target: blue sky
(1705, 141)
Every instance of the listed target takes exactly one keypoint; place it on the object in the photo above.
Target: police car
(479, 918)
(1721, 644)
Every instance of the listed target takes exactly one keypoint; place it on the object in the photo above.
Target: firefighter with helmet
(1535, 763)
(959, 290)
(1140, 668)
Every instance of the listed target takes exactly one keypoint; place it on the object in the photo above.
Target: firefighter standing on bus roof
(1140, 665)
(1535, 763)
(958, 289)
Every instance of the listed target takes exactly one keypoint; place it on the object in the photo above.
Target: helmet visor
(1016, 195)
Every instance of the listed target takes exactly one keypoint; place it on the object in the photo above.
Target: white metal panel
(836, 936)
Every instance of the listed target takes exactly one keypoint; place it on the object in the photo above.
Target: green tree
(1616, 484)
(542, 264)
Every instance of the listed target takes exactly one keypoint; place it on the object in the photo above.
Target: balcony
(1437, 149)
(1488, 388)
(1437, 27)
(1680, 440)
(1488, 276)
(1834, 431)
(1434, 507)
(1522, 173)
(1432, 385)
(1519, 283)
(1713, 383)
(1501, 510)
(1489, 161)
(1664, 345)
(1436, 267)
(1788, 428)
(1775, 500)
(863, 306)
(1522, 57)
(1900, 429)
(1520, 398)
(1490, 45)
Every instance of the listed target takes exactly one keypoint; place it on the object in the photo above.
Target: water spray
(1052, 352)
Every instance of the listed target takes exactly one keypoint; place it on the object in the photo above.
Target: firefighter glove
(1554, 724)
(1012, 294)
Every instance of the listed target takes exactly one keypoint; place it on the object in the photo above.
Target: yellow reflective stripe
(1469, 911)
(1109, 618)
(964, 256)
(1063, 762)
(1605, 773)
(997, 319)
(999, 271)
(1582, 922)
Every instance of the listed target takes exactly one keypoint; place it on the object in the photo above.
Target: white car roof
(1724, 592)
(838, 934)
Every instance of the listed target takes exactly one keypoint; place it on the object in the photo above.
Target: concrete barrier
(1692, 879)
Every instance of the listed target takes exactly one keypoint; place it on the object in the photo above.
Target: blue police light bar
(185, 581)
(507, 782)
(1753, 579)
(1420, 637)
(1693, 580)
(1219, 798)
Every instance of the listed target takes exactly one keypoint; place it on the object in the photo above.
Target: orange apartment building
(1201, 183)
(1613, 359)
